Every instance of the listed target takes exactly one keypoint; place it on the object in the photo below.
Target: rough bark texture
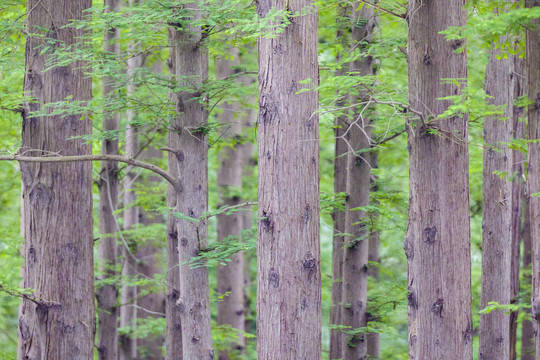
(533, 94)
(527, 334)
(340, 186)
(289, 277)
(173, 332)
(230, 171)
(189, 145)
(437, 243)
(57, 198)
(128, 312)
(373, 348)
(501, 211)
(107, 295)
(356, 245)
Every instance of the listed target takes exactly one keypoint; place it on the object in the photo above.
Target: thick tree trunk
(173, 333)
(501, 212)
(533, 71)
(107, 295)
(437, 243)
(527, 334)
(128, 312)
(356, 245)
(57, 198)
(340, 186)
(188, 143)
(373, 349)
(230, 171)
(289, 276)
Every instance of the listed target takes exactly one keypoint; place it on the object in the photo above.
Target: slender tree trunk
(340, 186)
(189, 145)
(533, 59)
(107, 295)
(230, 170)
(289, 276)
(501, 213)
(356, 245)
(173, 333)
(373, 349)
(527, 334)
(57, 198)
(437, 243)
(128, 312)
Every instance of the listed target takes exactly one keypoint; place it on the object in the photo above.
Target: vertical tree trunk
(57, 198)
(356, 245)
(189, 145)
(501, 212)
(373, 349)
(527, 334)
(289, 277)
(533, 59)
(107, 295)
(128, 312)
(173, 333)
(437, 243)
(230, 171)
(340, 186)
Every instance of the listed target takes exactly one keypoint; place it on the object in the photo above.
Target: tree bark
(289, 277)
(57, 198)
(437, 243)
(356, 245)
(527, 334)
(173, 332)
(501, 211)
(340, 186)
(107, 295)
(230, 171)
(191, 158)
(533, 177)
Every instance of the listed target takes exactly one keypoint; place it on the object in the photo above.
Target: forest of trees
(269, 179)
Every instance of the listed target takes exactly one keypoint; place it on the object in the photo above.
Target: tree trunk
(107, 295)
(533, 59)
(289, 276)
(231, 163)
(57, 198)
(340, 186)
(527, 334)
(373, 349)
(188, 143)
(501, 212)
(128, 312)
(437, 243)
(356, 245)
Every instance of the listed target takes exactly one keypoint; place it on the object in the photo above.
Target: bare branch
(124, 159)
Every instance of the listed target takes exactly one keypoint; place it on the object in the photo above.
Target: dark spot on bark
(409, 147)
(314, 160)
(173, 234)
(180, 156)
(268, 109)
(210, 354)
(191, 213)
(40, 196)
(437, 307)
(427, 60)
(195, 339)
(409, 249)
(499, 339)
(173, 296)
(306, 214)
(429, 234)
(467, 334)
(24, 330)
(199, 187)
(456, 44)
(411, 298)
(239, 312)
(278, 49)
(66, 329)
(268, 154)
(309, 262)
(31, 255)
(183, 241)
(292, 88)
(304, 304)
(179, 109)
(267, 222)
(273, 278)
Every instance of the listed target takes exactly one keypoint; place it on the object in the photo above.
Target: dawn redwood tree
(230, 278)
(373, 341)
(533, 176)
(188, 144)
(288, 249)
(107, 294)
(527, 331)
(173, 321)
(340, 186)
(501, 208)
(437, 242)
(356, 244)
(57, 198)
